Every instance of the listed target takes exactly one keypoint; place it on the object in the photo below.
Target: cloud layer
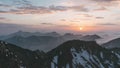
(26, 7)
(44, 10)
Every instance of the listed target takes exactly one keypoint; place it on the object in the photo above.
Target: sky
(77, 16)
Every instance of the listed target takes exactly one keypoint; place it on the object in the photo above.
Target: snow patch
(101, 54)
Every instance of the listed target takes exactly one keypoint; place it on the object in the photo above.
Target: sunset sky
(60, 15)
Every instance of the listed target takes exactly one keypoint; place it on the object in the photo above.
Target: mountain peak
(20, 31)
(78, 44)
(85, 54)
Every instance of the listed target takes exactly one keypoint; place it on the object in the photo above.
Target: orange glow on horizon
(81, 28)
(84, 28)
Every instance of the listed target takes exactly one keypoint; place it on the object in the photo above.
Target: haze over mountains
(43, 41)
(52, 50)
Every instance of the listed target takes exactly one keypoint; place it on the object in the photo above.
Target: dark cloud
(30, 10)
(1, 11)
(62, 19)
(57, 8)
(5, 25)
(55, 25)
(6, 28)
(79, 8)
(104, 0)
(107, 24)
(106, 3)
(99, 17)
(4, 5)
(87, 15)
(4, 19)
(47, 24)
(101, 9)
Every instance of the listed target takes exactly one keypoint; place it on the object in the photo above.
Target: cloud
(107, 24)
(47, 24)
(31, 9)
(4, 19)
(22, 2)
(78, 8)
(106, 2)
(55, 25)
(57, 8)
(6, 28)
(74, 21)
(4, 5)
(101, 9)
(99, 17)
(62, 19)
(87, 15)
(1, 11)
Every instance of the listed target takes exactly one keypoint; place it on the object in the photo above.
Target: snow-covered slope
(116, 51)
(81, 54)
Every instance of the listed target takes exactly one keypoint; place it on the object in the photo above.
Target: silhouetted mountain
(90, 37)
(12, 56)
(53, 34)
(112, 44)
(82, 54)
(71, 54)
(70, 36)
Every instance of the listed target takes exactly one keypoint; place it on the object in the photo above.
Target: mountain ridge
(38, 41)
(79, 54)
(115, 43)
(70, 54)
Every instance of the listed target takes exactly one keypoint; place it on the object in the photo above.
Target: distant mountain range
(43, 41)
(35, 42)
(27, 34)
(70, 54)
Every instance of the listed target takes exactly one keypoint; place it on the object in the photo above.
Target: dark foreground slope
(12, 56)
(71, 54)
